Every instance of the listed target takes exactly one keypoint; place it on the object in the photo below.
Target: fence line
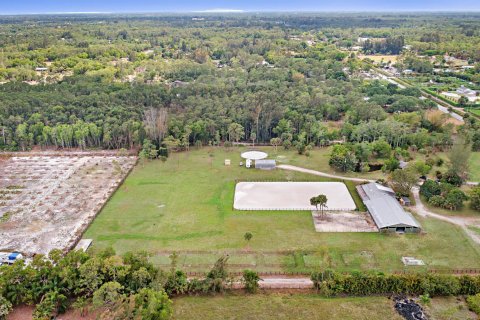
(307, 273)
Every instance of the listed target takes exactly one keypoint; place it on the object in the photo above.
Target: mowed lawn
(474, 165)
(185, 204)
(308, 307)
(283, 306)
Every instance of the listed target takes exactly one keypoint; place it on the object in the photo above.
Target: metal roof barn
(385, 210)
(265, 164)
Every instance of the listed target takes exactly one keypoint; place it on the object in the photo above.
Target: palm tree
(319, 201)
(322, 201)
(253, 137)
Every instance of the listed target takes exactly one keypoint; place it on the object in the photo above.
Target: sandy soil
(290, 195)
(25, 313)
(343, 222)
(47, 202)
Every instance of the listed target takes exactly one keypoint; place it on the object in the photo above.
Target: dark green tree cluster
(127, 287)
(444, 195)
(390, 45)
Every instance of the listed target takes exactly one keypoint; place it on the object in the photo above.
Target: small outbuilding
(405, 201)
(10, 257)
(265, 164)
(385, 210)
(252, 157)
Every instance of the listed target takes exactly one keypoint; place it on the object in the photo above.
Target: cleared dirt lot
(340, 221)
(290, 195)
(46, 202)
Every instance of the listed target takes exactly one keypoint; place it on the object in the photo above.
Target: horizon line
(237, 11)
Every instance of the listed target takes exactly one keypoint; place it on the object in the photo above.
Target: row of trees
(127, 287)
(80, 134)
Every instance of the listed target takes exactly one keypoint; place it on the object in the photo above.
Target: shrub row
(330, 283)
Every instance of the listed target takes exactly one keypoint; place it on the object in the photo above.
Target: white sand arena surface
(290, 195)
(46, 202)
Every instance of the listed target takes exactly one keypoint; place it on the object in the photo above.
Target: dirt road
(321, 174)
(462, 222)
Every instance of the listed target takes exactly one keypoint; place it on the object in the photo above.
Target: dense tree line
(390, 45)
(179, 82)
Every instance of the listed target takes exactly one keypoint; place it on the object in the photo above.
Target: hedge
(361, 284)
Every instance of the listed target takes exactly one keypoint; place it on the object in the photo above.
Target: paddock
(291, 195)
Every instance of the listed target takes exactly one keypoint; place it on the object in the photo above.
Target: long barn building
(385, 210)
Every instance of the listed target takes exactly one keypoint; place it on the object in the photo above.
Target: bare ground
(46, 202)
(340, 221)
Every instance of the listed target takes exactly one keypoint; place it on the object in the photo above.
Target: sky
(122, 6)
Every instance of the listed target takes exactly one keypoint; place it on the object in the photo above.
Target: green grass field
(475, 167)
(185, 205)
(283, 306)
(308, 306)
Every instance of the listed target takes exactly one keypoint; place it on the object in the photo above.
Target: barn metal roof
(385, 209)
(263, 164)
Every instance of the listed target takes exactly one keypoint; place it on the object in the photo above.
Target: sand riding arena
(47, 201)
(291, 195)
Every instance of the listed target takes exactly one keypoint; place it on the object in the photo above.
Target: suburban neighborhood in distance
(274, 161)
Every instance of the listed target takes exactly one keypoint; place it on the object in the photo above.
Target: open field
(283, 306)
(46, 202)
(309, 306)
(449, 308)
(290, 195)
(475, 167)
(287, 306)
(186, 205)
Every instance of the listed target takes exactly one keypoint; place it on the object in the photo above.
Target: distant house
(453, 96)
(466, 91)
(41, 69)
(463, 91)
(385, 210)
(362, 40)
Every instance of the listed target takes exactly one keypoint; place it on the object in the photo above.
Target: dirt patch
(46, 202)
(342, 221)
(25, 313)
